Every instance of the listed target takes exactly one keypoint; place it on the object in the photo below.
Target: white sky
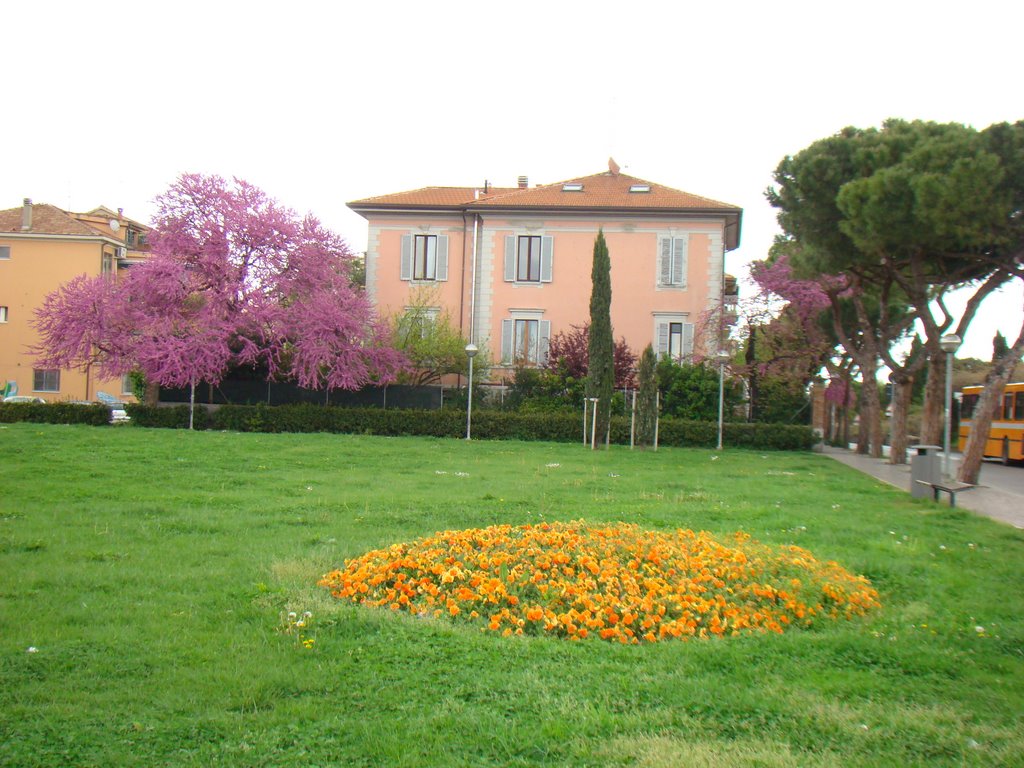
(320, 103)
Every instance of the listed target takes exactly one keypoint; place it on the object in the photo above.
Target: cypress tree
(646, 397)
(600, 346)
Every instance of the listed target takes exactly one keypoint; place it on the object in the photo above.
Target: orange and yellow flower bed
(615, 582)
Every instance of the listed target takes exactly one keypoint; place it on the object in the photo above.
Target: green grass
(153, 570)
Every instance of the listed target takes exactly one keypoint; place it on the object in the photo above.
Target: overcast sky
(322, 103)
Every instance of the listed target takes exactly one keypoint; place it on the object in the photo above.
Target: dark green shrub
(55, 413)
(175, 417)
(488, 425)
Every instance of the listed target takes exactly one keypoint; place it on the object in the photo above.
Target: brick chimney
(524, 182)
(26, 214)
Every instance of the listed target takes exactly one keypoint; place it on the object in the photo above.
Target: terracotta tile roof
(601, 191)
(46, 220)
(604, 190)
(430, 197)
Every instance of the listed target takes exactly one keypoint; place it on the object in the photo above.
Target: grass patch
(154, 572)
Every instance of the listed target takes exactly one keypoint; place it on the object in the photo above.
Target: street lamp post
(471, 351)
(722, 356)
(949, 344)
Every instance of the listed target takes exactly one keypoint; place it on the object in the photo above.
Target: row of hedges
(55, 413)
(487, 425)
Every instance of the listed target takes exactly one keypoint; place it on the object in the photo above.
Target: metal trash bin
(926, 466)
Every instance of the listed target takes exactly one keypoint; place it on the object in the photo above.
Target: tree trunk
(863, 411)
(984, 409)
(152, 396)
(869, 438)
(934, 400)
(902, 389)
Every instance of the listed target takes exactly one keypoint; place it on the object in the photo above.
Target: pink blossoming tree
(234, 278)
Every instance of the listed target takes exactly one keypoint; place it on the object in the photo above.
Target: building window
(107, 267)
(126, 385)
(3, 314)
(525, 340)
(417, 322)
(130, 236)
(45, 380)
(5, 251)
(424, 257)
(675, 341)
(967, 406)
(673, 337)
(528, 258)
(672, 261)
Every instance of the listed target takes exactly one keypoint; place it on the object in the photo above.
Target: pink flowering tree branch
(233, 278)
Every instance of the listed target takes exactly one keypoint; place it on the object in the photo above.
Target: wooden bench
(952, 488)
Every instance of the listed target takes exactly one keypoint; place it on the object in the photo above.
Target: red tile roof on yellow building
(602, 191)
(46, 220)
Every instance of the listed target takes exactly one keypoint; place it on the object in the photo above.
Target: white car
(118, 414)
(23, 399)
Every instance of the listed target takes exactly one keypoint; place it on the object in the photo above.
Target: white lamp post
(949, 344)
(471, 351)
(722, 357)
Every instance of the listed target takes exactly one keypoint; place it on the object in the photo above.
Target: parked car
(23, 399)
(118, 413)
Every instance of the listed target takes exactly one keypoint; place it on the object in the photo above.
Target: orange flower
(617, 581)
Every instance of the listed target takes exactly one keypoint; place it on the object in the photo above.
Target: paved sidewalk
(997, 503)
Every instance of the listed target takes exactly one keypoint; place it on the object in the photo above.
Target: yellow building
(41, 248)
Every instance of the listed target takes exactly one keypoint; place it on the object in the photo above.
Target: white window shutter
(507, 328)
(441, 272)
(547, 247)
(510, 258)
(687, 341)
(661, 343)
(406, 268)
(679, 261)
(544, 342)
(665, 263)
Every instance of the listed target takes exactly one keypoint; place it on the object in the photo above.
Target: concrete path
(1000, 494)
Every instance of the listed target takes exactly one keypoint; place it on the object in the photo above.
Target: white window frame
(514, 254)
(408, 266)
(3, 314)
(126, 384)
(427, 317)
(673, 260)
(663, 328)
(512, 342)
(40, 375)
(424, 257)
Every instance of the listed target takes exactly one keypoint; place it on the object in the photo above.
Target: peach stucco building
(41, 248)
(512, 265)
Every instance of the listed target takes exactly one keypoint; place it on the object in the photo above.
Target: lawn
(151, 574)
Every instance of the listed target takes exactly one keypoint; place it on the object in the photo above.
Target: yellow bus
(1006, 436)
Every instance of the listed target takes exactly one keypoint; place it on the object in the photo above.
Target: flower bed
(615, 582)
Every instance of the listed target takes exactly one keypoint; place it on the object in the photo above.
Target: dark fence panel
(254, 392)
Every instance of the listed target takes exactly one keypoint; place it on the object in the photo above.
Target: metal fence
(250, 392)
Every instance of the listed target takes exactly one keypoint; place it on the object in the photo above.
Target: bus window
(1018, 412)
(967, 406)
(1008, 406)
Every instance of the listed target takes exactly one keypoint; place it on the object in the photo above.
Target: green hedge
(55, 413)
(487, 425)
